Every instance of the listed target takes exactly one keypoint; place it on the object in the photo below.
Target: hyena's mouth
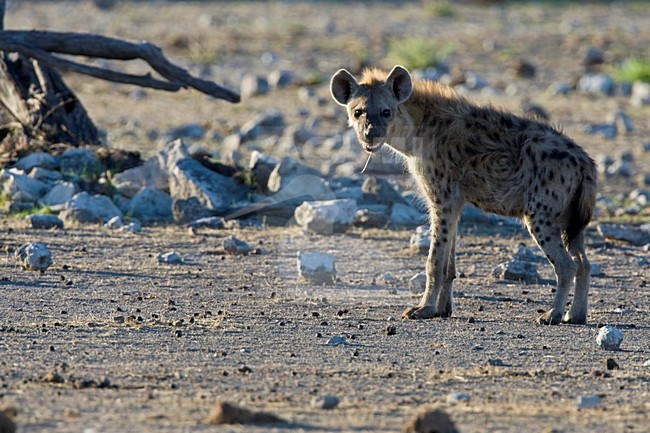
(374, 146)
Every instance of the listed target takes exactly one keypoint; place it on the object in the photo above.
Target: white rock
(20, 187)
(325, 402)
(316, 267)
(114, 223)
(235, 246)
(336, 341)
(59, 195)
(609, 338)
(151, 173)
(170, 258)
(421, 239)
(418, 283)
(588, 401)
(457, 397)
(596, 84)
(640, 94)
(99, 206)
(150, 205)
(34, 256)
(252, 85)
(326, 217)
(516, 270)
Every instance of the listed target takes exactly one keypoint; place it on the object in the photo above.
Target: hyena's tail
(582, 205)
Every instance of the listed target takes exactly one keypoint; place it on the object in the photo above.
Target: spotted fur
(459, 152)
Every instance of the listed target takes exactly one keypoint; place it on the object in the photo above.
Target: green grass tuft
(417, 53)
(634, 69)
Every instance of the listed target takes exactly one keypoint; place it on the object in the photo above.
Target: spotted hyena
(460, 152)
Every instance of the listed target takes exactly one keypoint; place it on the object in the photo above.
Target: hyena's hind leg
(548, 235)
(578, 312)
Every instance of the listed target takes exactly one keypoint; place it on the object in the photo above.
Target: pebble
(324, 402)
(34, 256)
(599, 83)
(640, 94)
(170, 258)
(588, 401)
(609, 338)
(611, 364)
(516, 270)
(421, 239)
(458, 397)
(337, 340)
(252, 85)
(235, 246)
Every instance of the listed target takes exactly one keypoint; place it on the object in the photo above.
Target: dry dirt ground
(108, 340)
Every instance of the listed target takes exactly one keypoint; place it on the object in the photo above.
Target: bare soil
(109, 340)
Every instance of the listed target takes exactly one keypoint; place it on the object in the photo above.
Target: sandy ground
(108, 340)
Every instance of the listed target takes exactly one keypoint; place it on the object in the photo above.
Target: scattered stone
(21, 188)
(189, 178)
(516, 270)
(421, 239)
(430, 421)
(151, 173)
(228, 413)
(34, 256)
(37, 159)
(262, 166)
(391, 330)
(526, 254)
(45, 222)
(78, 216)
(640, 94)
(605, 130)
(609, 338)
(150, 205)
(324, 402)
(114, 223)
(371, 217)
(235, 246)
(588, 401)
(418, 283)
(596, 83)
(596, 270)
(560, 88)
(317, 267)
(79, 161)
(100, 207)
(534, 111)
(525, 69)
(593, 57)
(326, 217)
(611, 364)
(253, 85)
(337, 340)
(190, 209)
(379, 191)
(631, 235)
(170, 258)
(620, 167)
(59, 195)
(458, 397)
(289, 169)
(621, 121)
(404, 215)
(134, 226)
(280, 78)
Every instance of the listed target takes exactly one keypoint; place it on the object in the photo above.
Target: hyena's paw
(426, 312)
(575, 319)
(549, 318)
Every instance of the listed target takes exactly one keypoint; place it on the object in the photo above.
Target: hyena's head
(372, 102)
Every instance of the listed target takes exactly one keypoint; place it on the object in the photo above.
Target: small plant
(417, 53)
(440, 9)
(634, 69)
(315, 78)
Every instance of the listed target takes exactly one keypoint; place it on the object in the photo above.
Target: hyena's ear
(343, 86)
(400, 84)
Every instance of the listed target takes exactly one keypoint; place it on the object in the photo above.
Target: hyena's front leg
(441, 269)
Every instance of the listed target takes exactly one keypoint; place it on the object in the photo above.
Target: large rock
(21, 188)
(188, 178)
(262, 166)
(59, 195)
(79, 161)
(287, 170)
(37, 159)
(326, 217)
(150, 205)
(45, 175)
(270, 122)
(404, 215)
(190, 209)
(45, 222)
(635, 236)
(91, 208)
(379, 191)
(516, 270)
(34, 256)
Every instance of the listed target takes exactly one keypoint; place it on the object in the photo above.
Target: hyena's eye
(386, 113)
(357, 113)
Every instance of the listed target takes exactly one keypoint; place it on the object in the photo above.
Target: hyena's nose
(371, 133)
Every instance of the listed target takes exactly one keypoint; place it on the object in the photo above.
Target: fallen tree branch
(39, 45)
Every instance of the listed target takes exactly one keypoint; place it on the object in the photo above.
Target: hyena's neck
(429, 115)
